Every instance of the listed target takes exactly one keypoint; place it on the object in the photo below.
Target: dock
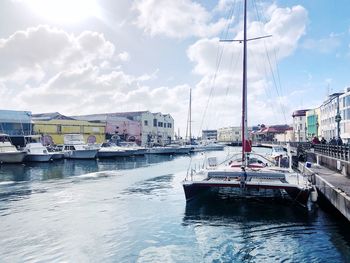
(334, 186)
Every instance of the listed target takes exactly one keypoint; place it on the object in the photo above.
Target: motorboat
(75, 148)
(36, 151)
(204, 146)
(8, 152)
(110, 150)
(132, 148)
(246, 175)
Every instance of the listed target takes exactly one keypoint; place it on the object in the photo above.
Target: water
(133, 210)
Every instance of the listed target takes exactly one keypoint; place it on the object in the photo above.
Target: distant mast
(244, 89)
(190, 117)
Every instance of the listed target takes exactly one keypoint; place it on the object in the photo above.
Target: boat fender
(314, 194)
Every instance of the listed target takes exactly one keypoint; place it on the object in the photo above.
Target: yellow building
(53, 127)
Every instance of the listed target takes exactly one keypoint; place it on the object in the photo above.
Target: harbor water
(134, 210)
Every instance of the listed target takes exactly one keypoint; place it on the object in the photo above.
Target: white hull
(12, 157)
(38, 157)
(81, 154)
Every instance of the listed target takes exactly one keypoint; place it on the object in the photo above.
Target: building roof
(299, 113)
(12, 116)
(50, 116)
(273, 129)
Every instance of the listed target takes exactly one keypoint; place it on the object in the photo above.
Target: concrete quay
(334, 186)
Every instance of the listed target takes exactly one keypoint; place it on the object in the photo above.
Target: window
(146, 123)
(59, 128)
(160, 124)
(154, 122)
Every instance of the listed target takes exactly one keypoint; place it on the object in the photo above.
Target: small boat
(35, 150)
(110, 150)
(132, 148)
(162, 150)
(75, 148)
(8, 152)
(207, 146)
(246, 175)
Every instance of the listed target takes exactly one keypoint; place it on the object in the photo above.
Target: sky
(96, 56)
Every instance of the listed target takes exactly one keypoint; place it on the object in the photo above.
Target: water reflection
(214, 210)
(65, 168)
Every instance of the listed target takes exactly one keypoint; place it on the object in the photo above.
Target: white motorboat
(75, 148)
(36, 152)
(132, 148)
(8, 152)
(246, 175)
(110, 150)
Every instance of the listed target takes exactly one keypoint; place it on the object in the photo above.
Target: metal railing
(341, 152)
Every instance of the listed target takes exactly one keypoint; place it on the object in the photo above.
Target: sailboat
(246, 174)
(203, 145)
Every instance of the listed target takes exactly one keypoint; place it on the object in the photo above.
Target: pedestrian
(333, 141)
(339, 141)
(315, 140)
(323, 140)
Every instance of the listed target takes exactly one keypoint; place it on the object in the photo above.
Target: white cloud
(286, 25)
(177, 19)
(323, 45)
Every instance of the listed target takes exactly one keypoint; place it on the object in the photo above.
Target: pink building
(126, 129)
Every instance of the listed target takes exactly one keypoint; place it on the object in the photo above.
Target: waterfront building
(209, 134)
(229, 134)
(344, 109)
(299, 125)
(156, 128)
(329, 109)
(124, 128)
(16, 124)
(53, 127)
(269, 133)
(312, 123)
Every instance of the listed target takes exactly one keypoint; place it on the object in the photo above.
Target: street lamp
(338, 118)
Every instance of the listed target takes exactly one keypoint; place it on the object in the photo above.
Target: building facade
(16, 124)
(344, 109)
(299, 125)
(209, 134)
(124, 128)
(53, 127)
(230, 134)
(313, 123)
(328, 112)
(156, 128)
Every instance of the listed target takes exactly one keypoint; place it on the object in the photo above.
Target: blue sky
(81, 57)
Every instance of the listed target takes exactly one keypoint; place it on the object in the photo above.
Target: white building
(230, 134)
(344, 109)
(209, 134)
(329, 109)
(299, 125)
(156, 128)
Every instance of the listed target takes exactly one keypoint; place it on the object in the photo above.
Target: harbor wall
(338, 198)
(330, 162)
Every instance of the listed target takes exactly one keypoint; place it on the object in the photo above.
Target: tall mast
(244, 89)
(190, 117)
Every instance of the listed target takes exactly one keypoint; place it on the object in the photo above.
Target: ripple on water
(153, 186)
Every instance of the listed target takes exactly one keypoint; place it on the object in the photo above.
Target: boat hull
(57, 156)
(37, 157)
(110, 154)
(247, 191)
(12, 157)
(81, 154)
